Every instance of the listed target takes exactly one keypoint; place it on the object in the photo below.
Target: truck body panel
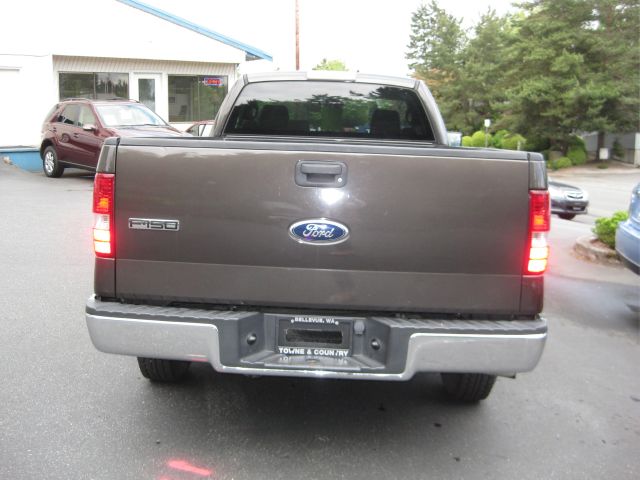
(460, 249)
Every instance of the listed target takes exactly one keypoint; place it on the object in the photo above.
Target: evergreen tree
(434, 51)
(548, 69)
(611, 99)
(556, 68)
(482, 81)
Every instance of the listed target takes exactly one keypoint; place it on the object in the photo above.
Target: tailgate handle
(321, 174)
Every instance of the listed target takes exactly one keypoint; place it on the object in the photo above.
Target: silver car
(568, 201)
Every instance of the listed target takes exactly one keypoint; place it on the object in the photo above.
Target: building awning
(251, 53)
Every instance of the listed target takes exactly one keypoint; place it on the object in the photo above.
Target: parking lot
(68, 411)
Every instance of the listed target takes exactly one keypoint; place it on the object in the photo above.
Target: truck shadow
(229, 420)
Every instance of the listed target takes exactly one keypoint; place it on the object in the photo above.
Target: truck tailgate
(428, 231)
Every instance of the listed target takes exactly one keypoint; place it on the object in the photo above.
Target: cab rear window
(329, 109)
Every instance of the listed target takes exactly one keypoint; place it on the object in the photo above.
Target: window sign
(213, 81)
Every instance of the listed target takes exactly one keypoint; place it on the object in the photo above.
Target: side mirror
(89, 127)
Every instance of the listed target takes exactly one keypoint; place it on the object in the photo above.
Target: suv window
(339, 109)
(86, 116)
(68, 115)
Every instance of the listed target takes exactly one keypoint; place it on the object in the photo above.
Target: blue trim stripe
(197, 28)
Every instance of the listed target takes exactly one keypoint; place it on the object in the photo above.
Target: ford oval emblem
(319, 231)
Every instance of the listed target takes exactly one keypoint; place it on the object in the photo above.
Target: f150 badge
(154, 224)
(319, 231)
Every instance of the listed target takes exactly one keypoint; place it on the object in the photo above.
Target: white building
(52, 50)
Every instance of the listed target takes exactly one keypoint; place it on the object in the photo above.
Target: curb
(587, 249)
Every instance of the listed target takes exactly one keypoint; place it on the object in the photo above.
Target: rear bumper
(407, 346)
(577, 207)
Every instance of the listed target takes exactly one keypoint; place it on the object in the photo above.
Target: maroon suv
(74, 130)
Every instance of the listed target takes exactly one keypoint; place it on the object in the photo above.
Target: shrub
(577, 142)
(538, 144)
(605, 228)
(617, 150)
(577, 155)
(478, 139)
(511, 142)
(499, 137)
(466, 141)
(562, 162)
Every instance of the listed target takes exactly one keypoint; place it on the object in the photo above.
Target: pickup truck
(325, 230)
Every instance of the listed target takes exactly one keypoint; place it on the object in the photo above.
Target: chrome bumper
(505, 352)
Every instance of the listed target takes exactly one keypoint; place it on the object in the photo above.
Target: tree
(434, 51)
(336, 65)
(482, 81)
(549, 71)
(553, 69)
(612, 99)
(578, 69)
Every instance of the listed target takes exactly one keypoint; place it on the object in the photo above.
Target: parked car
(567, 201)
(201, 129)
(74, 130)
(628, 234)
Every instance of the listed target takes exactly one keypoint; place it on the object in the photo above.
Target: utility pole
(297, 36)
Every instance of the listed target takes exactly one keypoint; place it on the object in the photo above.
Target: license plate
(314, 336)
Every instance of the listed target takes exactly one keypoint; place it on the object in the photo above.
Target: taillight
(539, 224)
(103, 228)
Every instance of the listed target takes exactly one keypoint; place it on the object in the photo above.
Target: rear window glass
(330, 109)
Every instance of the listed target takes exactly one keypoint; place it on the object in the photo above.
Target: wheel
(567, 216)
(468, 387)
(50, 164)
(158, 370)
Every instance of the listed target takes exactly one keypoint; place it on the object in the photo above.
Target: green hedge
(577, 142)
(577, 155)
(511, 141)
(558, 163)
(499, 137)
(605, 228)
(466, 141)
(478, 139)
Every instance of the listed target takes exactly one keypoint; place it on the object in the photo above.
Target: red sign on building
(213, 81)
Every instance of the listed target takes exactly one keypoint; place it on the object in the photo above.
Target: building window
(195, 98)
(97, 86)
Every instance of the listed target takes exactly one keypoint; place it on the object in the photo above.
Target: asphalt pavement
(68, 411)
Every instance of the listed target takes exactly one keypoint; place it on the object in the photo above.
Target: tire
(468, 387)
(50, 163)
(158, 370)
(567, 216)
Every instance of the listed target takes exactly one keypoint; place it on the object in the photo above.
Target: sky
(370, 36)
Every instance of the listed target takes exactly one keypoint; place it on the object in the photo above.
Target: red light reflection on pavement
(184, 466)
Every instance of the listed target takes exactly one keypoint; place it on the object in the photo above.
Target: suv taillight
(103, 228)
(539, 224)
